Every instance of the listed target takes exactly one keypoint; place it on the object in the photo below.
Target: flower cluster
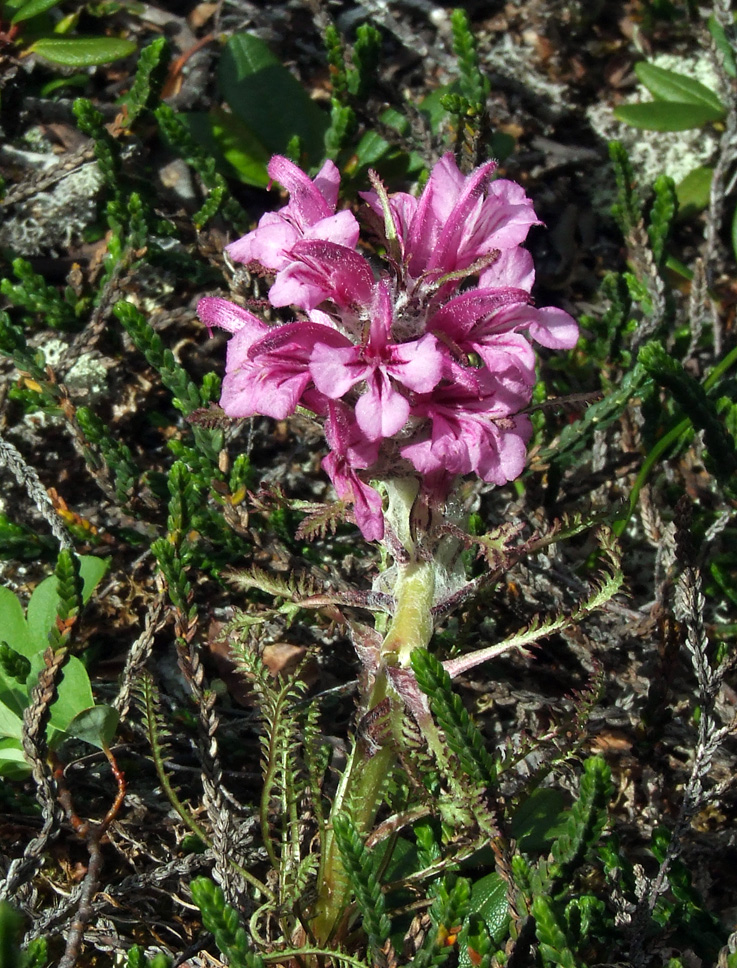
(422, 367)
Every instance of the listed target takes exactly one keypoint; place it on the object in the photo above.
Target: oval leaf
(489, 901)
(82, 51)
(13, 764)
(268, 99)
(11, 726)
(667, 115)
(539, 820)
(693, 191)
(723, 46)
(32, 9)
(671, 86)
(73, 694)
(13, 628)
(240, 148)
(96, 725)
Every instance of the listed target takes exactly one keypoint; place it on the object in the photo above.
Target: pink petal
(336, 369)
(267, 244)
(554, 328)
(327, 182)
(503, 452)
(323, 271)
(418, 364)
(381, 411)
(306, 202)
(458, 316)
(251, 390)
(513, 267)
(214, 311)
(341, 228)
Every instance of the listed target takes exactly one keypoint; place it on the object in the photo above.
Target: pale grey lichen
(88, 376)
(51, 220)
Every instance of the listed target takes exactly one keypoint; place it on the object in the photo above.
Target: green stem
(412, 625)
(362, 785)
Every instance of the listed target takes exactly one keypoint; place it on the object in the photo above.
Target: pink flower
(349, 452)
(490, 323)
(457, 220)
(310, 214)
(385, 366)
(447, 372)
(266, 368)
(321, 271)
(472, 431)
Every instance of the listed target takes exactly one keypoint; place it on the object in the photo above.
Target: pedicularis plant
(419, 369)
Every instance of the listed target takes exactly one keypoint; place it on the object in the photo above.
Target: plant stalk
(363, 783)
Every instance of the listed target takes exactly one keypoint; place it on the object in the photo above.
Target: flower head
(421, 370)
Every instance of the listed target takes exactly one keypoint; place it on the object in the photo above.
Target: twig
(138, 654)
(93, 833)
(35, 718)
(27, 477)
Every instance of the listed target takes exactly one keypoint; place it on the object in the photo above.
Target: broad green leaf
(372, 147)
(73, 694)
(693, 191)
(240, 148)
(13, 628)
(671, 86)
(268, 99)
(96, 725)
(76, 80)
(488, 901)
(32, 9)
(82, 51)
(667, 115)
(11, 725)
(13, 764)
(734, 232)
(539, 820)
(10, 8)
(44, 602)
(92, 570)
(14, 698)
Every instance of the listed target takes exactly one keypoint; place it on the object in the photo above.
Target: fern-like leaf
(157, 732)
(602, 591)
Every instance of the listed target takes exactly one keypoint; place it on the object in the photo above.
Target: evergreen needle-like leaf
(474, 85)
(461, 735)
(223, 921)
(627, 208)
(662, 214)
(586, 819)
(693, 400)
(153, 62)
(553, 942)
(359, 865)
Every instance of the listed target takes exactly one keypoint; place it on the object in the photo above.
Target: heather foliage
(391, 622)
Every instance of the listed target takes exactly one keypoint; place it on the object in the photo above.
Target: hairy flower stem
(412, 626)
(374, 753)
